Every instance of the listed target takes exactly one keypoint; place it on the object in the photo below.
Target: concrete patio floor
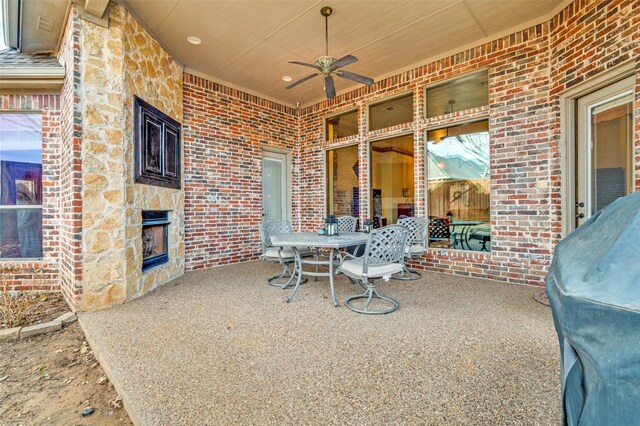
(220, 346)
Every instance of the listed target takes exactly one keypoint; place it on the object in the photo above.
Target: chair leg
(370, 294)
(286, 274)
(354, 281)
(407, 274)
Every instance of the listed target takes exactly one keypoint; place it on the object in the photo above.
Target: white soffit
(248, 43)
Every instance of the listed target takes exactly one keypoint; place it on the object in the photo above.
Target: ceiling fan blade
(304, 64)
(329, 87)
(302, 80)
(344, 61)
(355, 77)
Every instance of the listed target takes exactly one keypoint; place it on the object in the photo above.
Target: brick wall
(527, 72)
(40, 275)
(70, 226)
(587, 39)
(519, 152)
(225, 131)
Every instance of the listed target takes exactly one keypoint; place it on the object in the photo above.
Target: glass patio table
(298, 240)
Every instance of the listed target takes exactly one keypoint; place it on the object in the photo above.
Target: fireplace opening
(155, 238)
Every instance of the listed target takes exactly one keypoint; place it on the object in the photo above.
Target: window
(157, 140)
(20, 185)
(463, 93)
(343, 184)
(342, 125)
(458, 187)
(392, 187)
(391, 112)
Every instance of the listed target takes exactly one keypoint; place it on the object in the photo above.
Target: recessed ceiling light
(194, 40)
(286, 78)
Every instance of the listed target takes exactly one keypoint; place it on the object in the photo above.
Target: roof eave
(31, 78)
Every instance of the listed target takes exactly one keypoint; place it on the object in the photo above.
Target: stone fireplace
(155, 238)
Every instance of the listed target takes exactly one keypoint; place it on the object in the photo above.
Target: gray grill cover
(594, 290)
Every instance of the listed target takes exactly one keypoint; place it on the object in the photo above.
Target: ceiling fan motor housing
(325, 63)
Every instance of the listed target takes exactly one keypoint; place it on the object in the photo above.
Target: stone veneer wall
(113, 64)
(41, 274)
(151, 74)
(225, 132)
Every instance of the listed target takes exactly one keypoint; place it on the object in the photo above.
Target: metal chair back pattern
(267, 230)
(418, 229)
(418, 233)
(383, 256)
(385, 245)
(273, 227)
(347, 224)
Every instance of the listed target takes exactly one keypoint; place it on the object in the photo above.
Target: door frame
(568, 141)
(287, 175)
(617, 90)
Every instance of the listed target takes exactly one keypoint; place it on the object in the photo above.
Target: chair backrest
(418, 229)
(347, 224)
(385, 245)
(273, 227)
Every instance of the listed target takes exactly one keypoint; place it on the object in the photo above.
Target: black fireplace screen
(155, 238)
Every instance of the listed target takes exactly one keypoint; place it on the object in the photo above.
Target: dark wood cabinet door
(157, 146)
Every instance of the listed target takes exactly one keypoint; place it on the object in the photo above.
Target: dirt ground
(49, 379)
(42, 307)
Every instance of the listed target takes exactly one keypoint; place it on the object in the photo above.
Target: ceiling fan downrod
(326, 12)
(328, 65)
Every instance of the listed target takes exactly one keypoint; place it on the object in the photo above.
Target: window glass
(391, 112)
(392, 188)
(20, 185)
(341, 126)
(343, 184)
(470, 91)
(458, 187)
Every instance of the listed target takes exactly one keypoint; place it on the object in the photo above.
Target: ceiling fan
(328, 65)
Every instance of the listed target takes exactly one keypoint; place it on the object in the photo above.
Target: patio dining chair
(383, 257)
(284, 256)
(347, 224)
(418, 230)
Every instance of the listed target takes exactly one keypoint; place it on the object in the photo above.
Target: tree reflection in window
(458, 172)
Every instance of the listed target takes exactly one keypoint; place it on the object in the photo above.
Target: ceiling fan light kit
(328, 65)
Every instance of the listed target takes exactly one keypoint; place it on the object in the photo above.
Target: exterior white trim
(31, 78)
(568, 108)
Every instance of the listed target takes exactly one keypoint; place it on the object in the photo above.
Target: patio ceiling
(248, 44)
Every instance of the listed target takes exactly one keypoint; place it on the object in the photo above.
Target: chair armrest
(346, 255)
